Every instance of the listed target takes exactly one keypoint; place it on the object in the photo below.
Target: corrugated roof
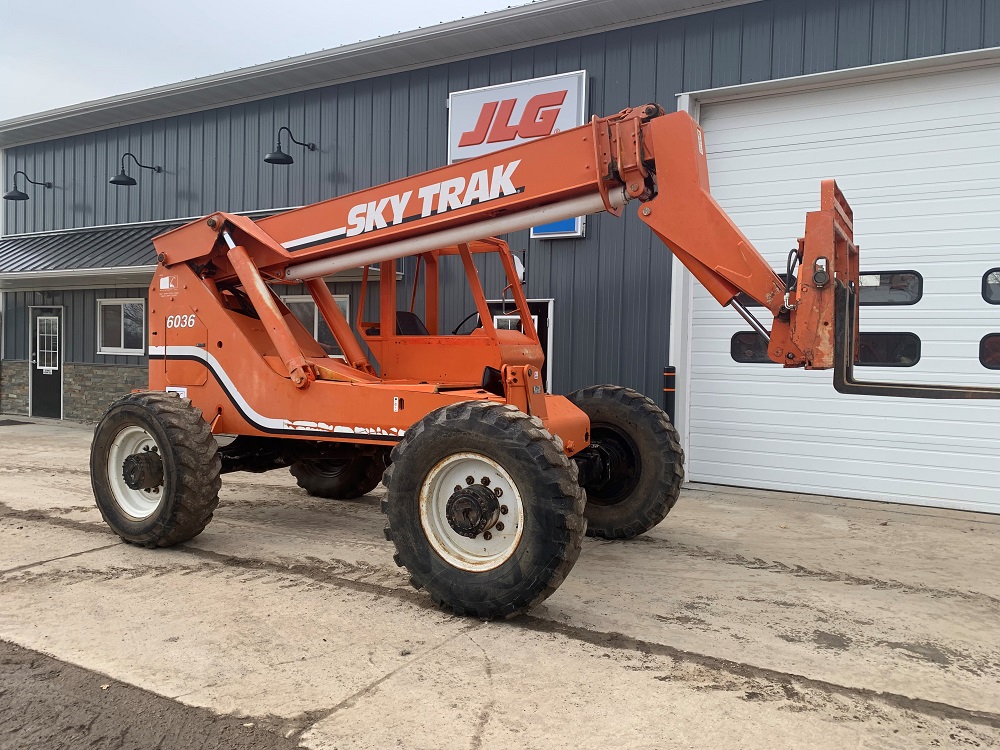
(122, 246)
(512, 28)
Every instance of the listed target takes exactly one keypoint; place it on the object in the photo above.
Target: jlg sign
(483, 120)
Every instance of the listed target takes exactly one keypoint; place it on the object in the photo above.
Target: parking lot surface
(748, 619)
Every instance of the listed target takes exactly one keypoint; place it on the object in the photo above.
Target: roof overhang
(116, 278)
(512, 28)
(82, 278)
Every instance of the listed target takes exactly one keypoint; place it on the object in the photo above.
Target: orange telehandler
(491, 482)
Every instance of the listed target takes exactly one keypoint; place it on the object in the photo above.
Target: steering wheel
(465, 320)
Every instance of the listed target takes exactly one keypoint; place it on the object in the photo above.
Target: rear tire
(160, 443)
(645, 456)
(520, 479)
(339, 479)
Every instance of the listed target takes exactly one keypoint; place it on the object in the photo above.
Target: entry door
(505, 316)
(46, 362)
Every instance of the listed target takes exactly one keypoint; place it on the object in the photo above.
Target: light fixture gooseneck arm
(13, 180)
(310, 146)
(137, 163)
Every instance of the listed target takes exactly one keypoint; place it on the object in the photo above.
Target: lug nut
(487, 535)
(470, 480)
(499, 526)
(458, 487)
(503, 510)
(498, 492)
(485, 481)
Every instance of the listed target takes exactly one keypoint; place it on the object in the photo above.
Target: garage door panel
(907, 491)
(900, 103)
(868, 429)
(919, 160)
(727, 404)
(886, 461)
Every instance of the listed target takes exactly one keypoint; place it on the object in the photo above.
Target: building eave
(511, 28)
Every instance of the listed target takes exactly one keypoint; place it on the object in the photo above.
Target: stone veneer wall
(13, 387)
(88, 389)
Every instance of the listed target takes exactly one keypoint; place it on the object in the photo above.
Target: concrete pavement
(747, 619)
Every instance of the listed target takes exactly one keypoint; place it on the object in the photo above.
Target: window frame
(982, 350)
(920, 348)
(317, 316)
(39, 365)
(732, 342)
(920, 290)
(120, 350)
(986, 285)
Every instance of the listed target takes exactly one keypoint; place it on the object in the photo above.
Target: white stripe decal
(252, 414)
(329, 235)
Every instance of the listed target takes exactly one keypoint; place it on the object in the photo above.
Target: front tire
(155, 469)
(644, 460)
(484, 509)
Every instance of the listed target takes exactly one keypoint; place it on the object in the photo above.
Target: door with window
(46, 362)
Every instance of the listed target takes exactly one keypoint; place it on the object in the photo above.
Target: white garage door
(918, 158)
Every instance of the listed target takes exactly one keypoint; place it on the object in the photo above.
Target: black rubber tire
(546, 480)
(341, 479)
(641, 500)
(191, 468)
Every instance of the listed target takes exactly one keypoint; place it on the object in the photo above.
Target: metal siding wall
(79, 323)
(611, 288)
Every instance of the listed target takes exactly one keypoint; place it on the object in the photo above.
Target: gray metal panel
(991, 23)
(926, 28)
(611, 288)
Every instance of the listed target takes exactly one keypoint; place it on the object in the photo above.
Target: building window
(889, 349)
(121, 326)
(47, 343)
(512, 322)
(304, 308)
(991, 286)
(989, 351)
(883, 288)
(749, 347)
(877, 349)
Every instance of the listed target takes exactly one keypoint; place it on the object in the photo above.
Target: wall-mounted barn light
(123, 179)
(19, 195)
(280, 157)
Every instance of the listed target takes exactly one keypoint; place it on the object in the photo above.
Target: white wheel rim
(479, 554)
(137, 504)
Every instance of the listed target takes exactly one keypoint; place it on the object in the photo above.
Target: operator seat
(410, 324)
